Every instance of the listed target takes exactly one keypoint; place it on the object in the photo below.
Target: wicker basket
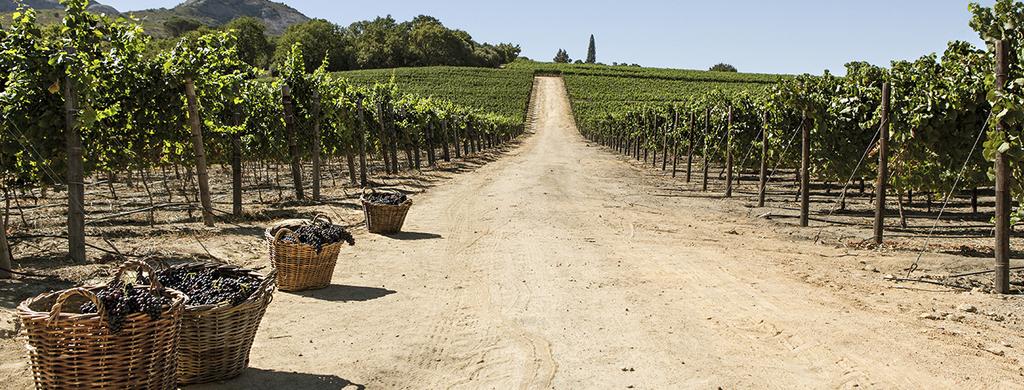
(78, 351)
(299, 266)
(384, 218)
(216, 339)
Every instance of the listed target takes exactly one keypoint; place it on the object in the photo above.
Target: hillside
(44, 5)
(593, 89)
(276, 16)
(597, 89)
(497, 91)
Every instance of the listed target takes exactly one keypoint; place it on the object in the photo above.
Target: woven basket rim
(257, 297)
(269, 235)
(408, 202)
(25, 310)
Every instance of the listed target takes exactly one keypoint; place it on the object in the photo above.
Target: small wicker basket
(216, 339)
(299, 266)
(79, 351)
(384, 218)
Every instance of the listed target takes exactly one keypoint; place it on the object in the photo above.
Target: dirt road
(560, 266)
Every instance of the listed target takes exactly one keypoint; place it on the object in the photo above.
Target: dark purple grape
(210, 286)
(319, 234)
(389, 198)
(121, 300)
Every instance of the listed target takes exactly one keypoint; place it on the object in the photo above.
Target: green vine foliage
(132, 108)
(1005, 21)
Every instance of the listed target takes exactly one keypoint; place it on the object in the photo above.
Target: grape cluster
(389, 198)
(121, 300)
(320, 233)
(209, 286)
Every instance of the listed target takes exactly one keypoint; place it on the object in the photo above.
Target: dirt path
(560, 267)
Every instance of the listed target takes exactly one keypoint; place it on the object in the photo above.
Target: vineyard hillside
(496, 91)
(595, 89)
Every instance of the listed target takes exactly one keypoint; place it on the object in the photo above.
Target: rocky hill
(276, 16)
(40, 5)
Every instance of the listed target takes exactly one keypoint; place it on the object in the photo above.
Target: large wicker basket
(79, 351)
(299, 266)
(384, 218)
(216, 339)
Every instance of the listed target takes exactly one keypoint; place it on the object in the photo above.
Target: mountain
(276, 16)
(40, 5)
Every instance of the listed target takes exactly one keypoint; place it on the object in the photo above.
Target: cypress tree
(591, 51)
(562, 57)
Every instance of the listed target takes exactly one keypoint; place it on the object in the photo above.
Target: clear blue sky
(783, 36)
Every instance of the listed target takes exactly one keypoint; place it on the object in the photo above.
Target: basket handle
(281, 232)
(161, 264)
(269, 281)
(59, 304)
(140, 266)
(372, 190)
(324, 216)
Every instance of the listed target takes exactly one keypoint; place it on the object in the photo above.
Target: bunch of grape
(389, 198)
(319, 234)
(210, 286)
(121, 300)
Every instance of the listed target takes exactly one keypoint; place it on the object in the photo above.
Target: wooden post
(707, 130)
(675, 140)
(200, 151)
(1002, 170)
(316, 144)
(728, 156)
(361, 139)
(805, 172)
(882, 181)
(75, 175)
(664, 146)
(762, 188)
(445, 150)
(236, 162)
(293, 145)
(5, 248)
(456, 142)
(689, 154)
(429, 138)
(974, 200)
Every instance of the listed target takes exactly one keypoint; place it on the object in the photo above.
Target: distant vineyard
(496, 91)
(598, 89)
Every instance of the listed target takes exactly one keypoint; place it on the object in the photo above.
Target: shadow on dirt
(343, 293)
(256, 378)
(413, 236)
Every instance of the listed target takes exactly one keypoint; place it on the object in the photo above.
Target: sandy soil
(563, 265)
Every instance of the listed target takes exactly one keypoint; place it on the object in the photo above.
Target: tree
(562, 57)
(379, 43)
(591, 51)
(509, 52)
(320, 40)
(723, 67)
(176, 25)
(431, 43)
(252, 44)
